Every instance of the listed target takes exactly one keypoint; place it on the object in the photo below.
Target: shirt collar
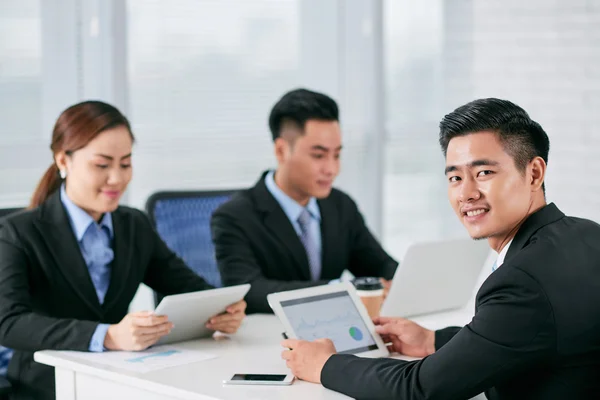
(81, 220)
(502, 255)
(290, 207)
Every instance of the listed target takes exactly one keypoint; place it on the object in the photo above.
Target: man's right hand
(406, 337)
(137, 331)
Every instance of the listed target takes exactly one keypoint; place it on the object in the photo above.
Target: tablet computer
(331, 311)
(189, 312)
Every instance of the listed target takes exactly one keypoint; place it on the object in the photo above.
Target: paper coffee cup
(370, 291)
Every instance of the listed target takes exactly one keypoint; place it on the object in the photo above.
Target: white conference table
(254, 349)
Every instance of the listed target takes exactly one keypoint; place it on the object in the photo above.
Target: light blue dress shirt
(94, 241)
(293, 210)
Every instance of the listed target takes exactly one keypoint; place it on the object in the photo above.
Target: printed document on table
(148, 360)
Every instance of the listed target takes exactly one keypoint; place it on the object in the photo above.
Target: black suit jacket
(256, 243)
(535, 333)
(47, 298)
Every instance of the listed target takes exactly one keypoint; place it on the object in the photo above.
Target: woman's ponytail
(49, 184)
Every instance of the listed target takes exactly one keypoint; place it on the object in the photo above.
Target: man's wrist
(109, 343)
(430, 348)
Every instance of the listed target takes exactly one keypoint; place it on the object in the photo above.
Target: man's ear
(537, 169)
(282, 149)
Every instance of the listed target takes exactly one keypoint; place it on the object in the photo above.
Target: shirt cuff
(97, 342)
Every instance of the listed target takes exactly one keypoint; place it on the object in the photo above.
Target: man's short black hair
(299, 106)
(522, 138)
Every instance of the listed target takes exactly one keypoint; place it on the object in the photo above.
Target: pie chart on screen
(356, 333)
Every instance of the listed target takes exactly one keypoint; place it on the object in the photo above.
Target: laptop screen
(333, 316)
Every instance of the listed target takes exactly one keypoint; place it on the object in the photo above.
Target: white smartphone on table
(260, 379)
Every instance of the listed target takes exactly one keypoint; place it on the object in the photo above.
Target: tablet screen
(333, 316)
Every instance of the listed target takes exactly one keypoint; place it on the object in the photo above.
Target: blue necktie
(495, 266)
(98, 255)
(310, 245)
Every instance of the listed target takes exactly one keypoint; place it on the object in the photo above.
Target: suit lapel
(534, 222)
(278, 223)
(123, 245)
(56, 231)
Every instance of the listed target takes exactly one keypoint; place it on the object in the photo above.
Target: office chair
(5, 387)
(182, 219)
(5, 354)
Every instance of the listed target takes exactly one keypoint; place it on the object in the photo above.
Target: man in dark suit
(536, 330)
(292, 229)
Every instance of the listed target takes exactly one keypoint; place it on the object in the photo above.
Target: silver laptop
(435, 277)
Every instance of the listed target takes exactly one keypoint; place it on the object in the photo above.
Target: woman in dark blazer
(72, 263)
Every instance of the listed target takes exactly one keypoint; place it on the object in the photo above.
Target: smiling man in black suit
(536, 330)
(293, 229)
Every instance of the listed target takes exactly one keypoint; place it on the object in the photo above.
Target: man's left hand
(307, 359)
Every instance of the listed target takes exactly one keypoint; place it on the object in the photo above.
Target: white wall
(542, 55)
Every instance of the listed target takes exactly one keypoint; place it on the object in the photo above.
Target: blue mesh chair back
(182, 219)
(5, 354)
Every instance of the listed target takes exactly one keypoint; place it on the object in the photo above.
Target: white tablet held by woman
(332, 311)
(189, 312)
